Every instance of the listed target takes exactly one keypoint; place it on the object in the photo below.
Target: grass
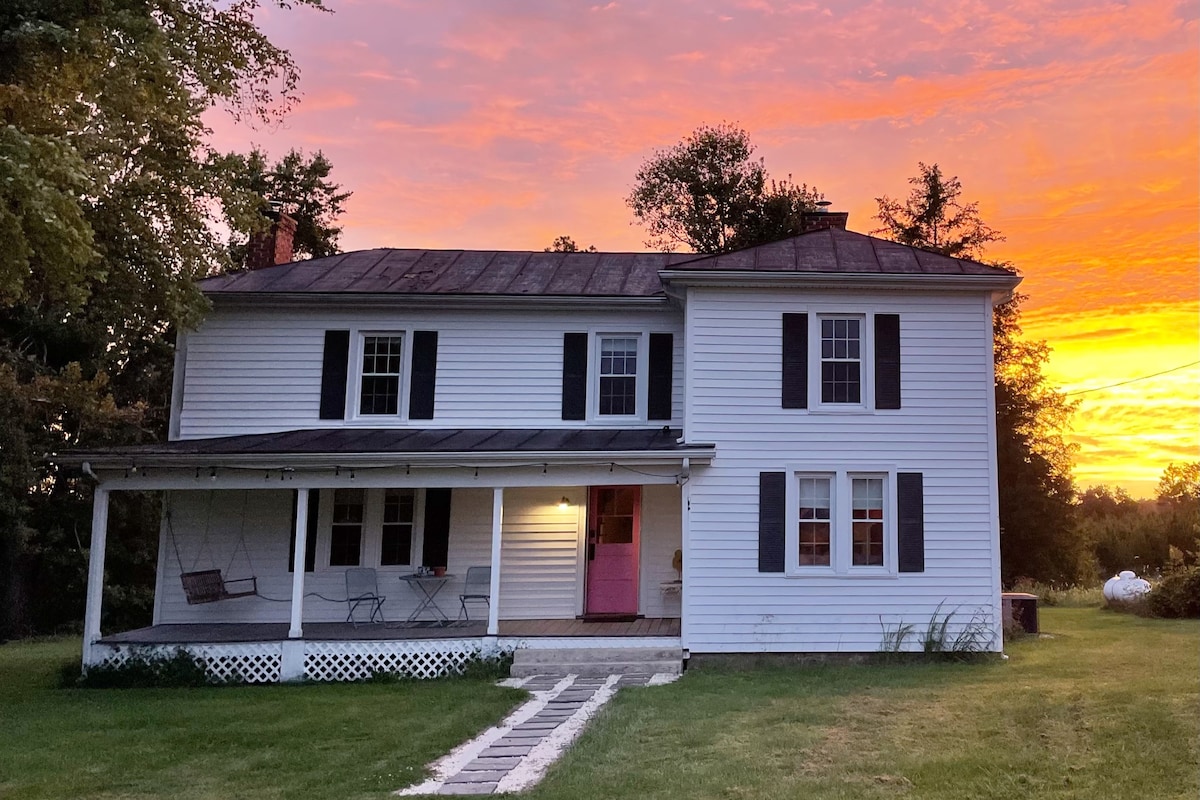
(311, 741)
(1107, 707)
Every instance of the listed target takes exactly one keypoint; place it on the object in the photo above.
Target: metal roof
(399, 442)
(493, 272)
(462, 272)
(841, 252)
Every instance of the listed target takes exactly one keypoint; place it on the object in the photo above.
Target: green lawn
(261, 742)
(1107, 707)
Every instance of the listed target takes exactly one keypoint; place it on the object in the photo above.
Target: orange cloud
(1072, 124)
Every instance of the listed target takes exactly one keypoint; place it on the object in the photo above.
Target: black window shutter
(421, 388)
(910, 497)
(310, 536)
(436, 545)
(662, 356)
(795, 360)
(887, 360)
(772, 490)
(334, 364)
(574, 383)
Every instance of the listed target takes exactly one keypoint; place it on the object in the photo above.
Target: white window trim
(371, 544)
(842, 534)
(866, 358)
(642, 377)
(355, 375)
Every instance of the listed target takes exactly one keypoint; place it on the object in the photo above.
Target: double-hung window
(346, 529)
(617, 392)
(816, 523)
(379, 385)
(844, 522)
(396, 530)
(841, 360)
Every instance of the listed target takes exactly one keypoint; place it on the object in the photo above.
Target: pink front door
(612, 558)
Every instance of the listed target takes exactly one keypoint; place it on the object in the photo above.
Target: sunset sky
(1075, 125)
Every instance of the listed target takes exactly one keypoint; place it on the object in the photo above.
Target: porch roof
(349, 446)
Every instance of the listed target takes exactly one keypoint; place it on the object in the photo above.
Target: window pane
(868, 544)
(814, 544)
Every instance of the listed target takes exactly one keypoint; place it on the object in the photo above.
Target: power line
(1134, 380)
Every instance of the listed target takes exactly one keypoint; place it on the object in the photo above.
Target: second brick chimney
(821, 219)
(274, 246)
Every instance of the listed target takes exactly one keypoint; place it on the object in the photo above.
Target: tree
(1039, 538)
(296, 185)
(708, 193)
(565, 244)
(1180, 484)
(933, 218)
(109, 197)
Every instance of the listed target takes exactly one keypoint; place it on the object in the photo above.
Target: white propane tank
(1125, 587)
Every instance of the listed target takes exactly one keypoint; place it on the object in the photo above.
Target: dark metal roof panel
(406, 440)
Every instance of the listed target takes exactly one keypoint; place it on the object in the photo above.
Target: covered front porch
(576, 546)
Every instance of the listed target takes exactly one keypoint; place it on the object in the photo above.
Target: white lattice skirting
(351, 661)
(262, 662)
(255, 662)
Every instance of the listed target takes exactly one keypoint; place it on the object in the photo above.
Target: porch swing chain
(204, 539)
(233, 557)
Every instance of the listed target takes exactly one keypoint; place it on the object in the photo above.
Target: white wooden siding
(259, 370)
(662, 521)
(942, 431)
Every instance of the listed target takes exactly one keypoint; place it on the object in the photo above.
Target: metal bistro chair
(478, 587)
(362, 589)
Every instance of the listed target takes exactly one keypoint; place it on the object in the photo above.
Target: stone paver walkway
(515, 754)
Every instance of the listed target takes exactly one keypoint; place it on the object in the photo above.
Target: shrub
(178, 669)
(1177, 595)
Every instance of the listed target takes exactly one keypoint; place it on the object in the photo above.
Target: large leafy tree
(709, 194)
(109, 200)
(1038, 535)
(298, 185)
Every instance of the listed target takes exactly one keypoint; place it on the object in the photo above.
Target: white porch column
(95, 583)
(493, 627)
(301, 536)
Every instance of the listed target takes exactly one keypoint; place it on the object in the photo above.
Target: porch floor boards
(231, 632)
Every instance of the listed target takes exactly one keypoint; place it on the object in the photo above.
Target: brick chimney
(274, 246)
(821, 219)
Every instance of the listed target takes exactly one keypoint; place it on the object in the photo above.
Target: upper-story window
(379, 387)
(841, 360)
(618, 388)
(617, 377)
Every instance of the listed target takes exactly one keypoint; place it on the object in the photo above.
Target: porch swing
(211, 585)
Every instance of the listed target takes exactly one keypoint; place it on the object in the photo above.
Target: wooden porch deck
(231, 632)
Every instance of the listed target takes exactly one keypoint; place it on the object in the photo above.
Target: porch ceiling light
(564, 504)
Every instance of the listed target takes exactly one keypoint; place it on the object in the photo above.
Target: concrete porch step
(592, 661)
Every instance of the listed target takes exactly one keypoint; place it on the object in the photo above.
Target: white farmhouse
(785, 449)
